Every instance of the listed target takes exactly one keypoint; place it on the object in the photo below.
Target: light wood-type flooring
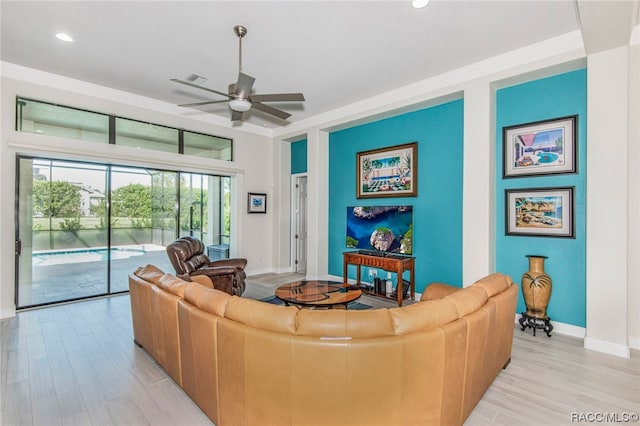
(76, 364)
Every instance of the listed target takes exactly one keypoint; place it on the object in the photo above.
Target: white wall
(633, 254)
(251, 169)
(607, 195)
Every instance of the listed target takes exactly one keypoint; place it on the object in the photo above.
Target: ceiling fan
(239, 94)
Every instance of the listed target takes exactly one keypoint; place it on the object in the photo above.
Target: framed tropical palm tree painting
(388, 172)
(539, 212)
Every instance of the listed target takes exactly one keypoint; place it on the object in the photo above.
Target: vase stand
(528, 321)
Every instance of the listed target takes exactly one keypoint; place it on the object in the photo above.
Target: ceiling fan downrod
(240, 32)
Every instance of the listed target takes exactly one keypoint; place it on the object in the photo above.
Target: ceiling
(336, 53)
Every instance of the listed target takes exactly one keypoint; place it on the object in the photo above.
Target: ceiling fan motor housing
(239, 93)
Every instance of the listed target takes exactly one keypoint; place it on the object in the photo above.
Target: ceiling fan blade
(203, 103)
(278, 97)
(244, 85)
(187, 83)
(270, 110)
(236, 115)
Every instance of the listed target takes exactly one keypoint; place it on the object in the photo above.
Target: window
(146, 135)
(207, 146)
(57, 120)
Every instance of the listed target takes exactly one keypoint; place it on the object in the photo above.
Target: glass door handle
(19, 247)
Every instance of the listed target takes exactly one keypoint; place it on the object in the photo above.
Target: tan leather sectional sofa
(245, 362)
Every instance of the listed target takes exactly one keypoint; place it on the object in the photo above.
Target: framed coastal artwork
(539, 212)
(388, 172)
(540, 148)
(257, 203)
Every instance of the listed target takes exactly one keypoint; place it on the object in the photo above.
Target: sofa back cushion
(423, 316)
(494, 284)
(338, 323)
(261, 315)
(468, 300)
(208, 299)
(172, 284)
(149, 273)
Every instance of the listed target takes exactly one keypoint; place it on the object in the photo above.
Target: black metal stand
(527, 321)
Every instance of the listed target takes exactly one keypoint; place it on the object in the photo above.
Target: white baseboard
(607, 347)
(589, 343)
(7, 313)
(250, 271)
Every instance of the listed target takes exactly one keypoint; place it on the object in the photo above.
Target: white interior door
(300, 226)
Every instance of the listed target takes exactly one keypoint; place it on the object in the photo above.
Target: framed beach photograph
(539, 212)
(257, 203)
(388, 172)
(540, 148)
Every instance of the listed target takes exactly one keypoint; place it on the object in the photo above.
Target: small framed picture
(539, 212)
(540, 148)
(257, 203)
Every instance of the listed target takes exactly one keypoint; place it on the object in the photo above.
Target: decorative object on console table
(257, 203)
(536, 290)
(388, 172)
(405, 289)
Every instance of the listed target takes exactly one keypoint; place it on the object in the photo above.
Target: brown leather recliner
(187, 257)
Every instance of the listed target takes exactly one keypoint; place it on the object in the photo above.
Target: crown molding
(562, 49)
(34, 76)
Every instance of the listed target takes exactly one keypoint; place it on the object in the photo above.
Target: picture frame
(540, 212)
(540, 148)
(388, 172)
(256, 203)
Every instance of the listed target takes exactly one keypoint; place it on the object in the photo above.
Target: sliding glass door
(204, 208)
(62, 234)
(138, 196)
(82, 228)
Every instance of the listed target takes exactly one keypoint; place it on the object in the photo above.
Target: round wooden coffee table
(317, 293)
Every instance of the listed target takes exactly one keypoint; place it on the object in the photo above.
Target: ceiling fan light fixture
(419, 4)
(240, 105)
(64, 37)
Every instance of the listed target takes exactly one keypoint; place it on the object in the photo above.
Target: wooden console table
(388, 262)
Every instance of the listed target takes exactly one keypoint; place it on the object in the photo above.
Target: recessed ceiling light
(419, 4)
(64, 37)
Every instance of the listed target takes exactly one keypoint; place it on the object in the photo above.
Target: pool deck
(69, 281)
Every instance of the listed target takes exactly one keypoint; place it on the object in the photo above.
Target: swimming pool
(547, 157)
(82, 255)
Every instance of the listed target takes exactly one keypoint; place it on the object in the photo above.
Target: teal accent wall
(558, 96)
(437, 221)
(299, 157)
